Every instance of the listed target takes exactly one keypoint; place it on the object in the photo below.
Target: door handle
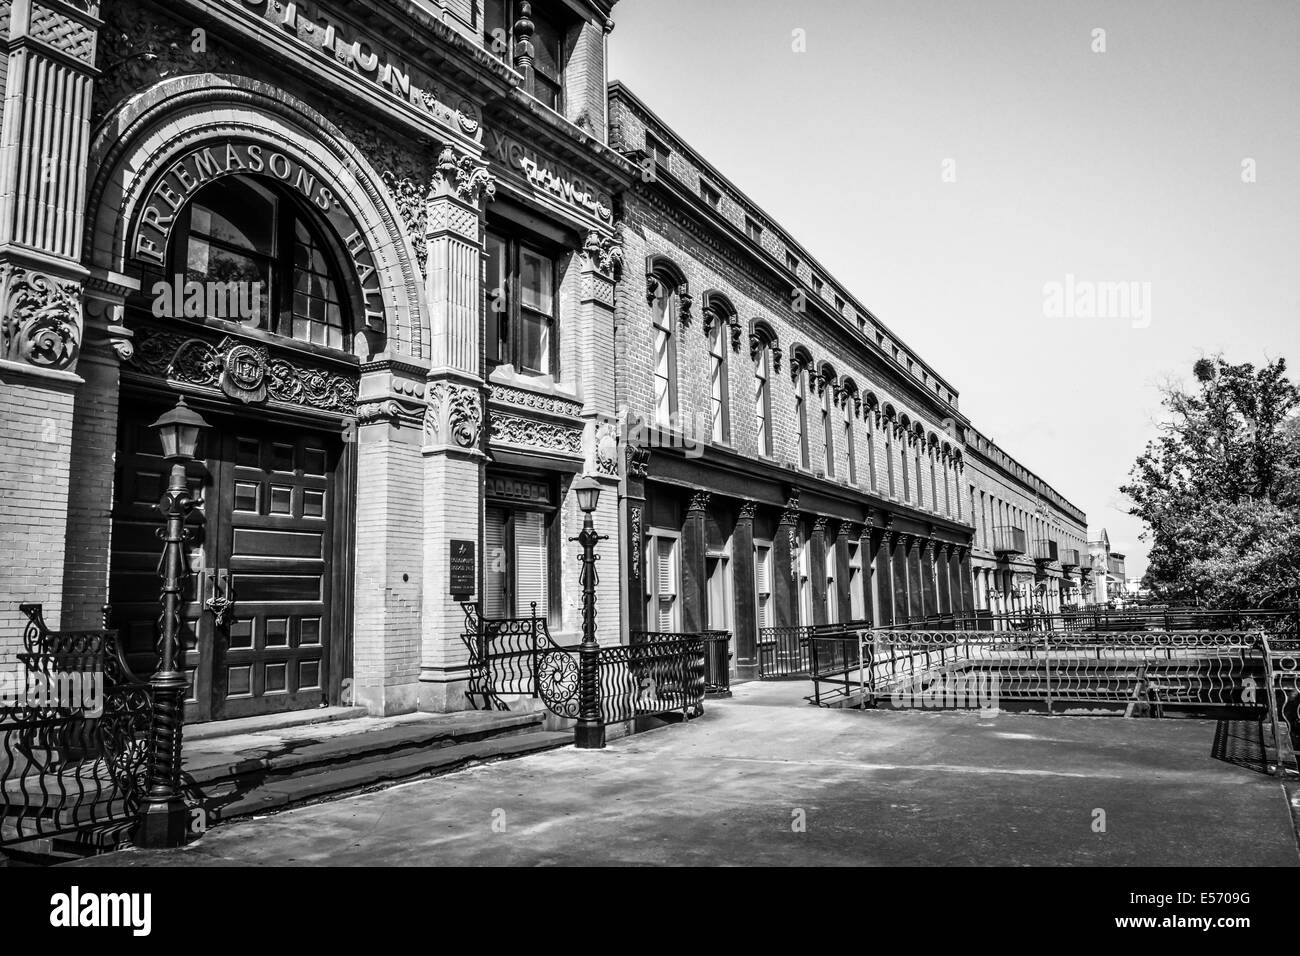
(219, 600)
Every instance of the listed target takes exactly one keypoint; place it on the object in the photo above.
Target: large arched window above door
(263, 260)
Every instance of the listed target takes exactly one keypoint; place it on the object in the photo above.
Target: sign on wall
(463, 569)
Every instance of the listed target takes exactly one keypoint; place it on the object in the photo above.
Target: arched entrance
(270, 269)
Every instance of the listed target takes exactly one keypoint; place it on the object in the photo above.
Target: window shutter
(531, 560)
(666, 584)
(763, 588)
(496, 565)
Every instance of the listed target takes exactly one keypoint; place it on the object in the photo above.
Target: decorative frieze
(535, 401)
(40, 318)
(550, 437)
(635, 542)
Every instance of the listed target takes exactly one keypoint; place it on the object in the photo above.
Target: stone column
(453, 426)
(928, 591)
(943, 571)
(902, 610)
(44, 140)
(694, 565)
(884, 574)
(633, 528)
(915, 595)
(817, 569)
(843, 576)
(744, 639)
(785, 566)
(967, 583)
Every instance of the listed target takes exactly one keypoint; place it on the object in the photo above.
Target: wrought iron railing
(1149, 673)
(1282, 693)
(717, 655)
(782, 651)
(75, 727)
(508, 658)
(656, 677)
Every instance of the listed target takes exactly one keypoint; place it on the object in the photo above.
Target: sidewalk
(765, 779)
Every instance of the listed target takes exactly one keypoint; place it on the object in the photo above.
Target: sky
(953, 164)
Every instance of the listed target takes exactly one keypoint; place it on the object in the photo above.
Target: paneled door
(262, 607)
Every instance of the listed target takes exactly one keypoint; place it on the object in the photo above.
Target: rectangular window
(849, 447)
(801, 417)
(545, 80)
(665, 354)
(792, 262)
(828, 430)
(710, 195)
(817, 284)
(718, 569)
(832, 594)
(763, 582)
(521, 306)
(857, 593)
(517, 563)
(753, 230)
(839, 305)
(718, 385)
(657, 150)
(661, 556)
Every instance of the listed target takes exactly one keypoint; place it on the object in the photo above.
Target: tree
(1219, 488)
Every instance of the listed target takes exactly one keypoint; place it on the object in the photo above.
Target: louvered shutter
(496, 564)
(531, 561)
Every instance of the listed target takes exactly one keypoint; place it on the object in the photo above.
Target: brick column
(694, 581)
(843, 576)
(453, 437)
(388, 571)
(94, 447)
(44, 138)
(817, 569)
(943, 571)
(600, 263)
(785, 595)
(744, 640)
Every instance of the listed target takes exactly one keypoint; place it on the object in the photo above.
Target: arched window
(664, 304)
(849, 401)
(826, 383)
(718, 316)
(890, 426)
(264, 261)
(873, 410)
(800, 367)
(761, 341)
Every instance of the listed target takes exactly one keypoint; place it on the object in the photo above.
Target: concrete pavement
(765, 779)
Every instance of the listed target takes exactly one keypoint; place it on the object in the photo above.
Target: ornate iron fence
(1148, 672)
(783, 651)
(75, 728)
(1282, 689)
(658, 673)
(717, 656)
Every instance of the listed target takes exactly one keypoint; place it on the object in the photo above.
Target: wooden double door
(265, 616)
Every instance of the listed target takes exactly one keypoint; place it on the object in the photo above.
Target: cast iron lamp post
(165, 818)
(589, 732)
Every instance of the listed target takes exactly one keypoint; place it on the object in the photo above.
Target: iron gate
(74, 736)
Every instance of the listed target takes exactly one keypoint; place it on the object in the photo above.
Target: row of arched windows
(907, 446)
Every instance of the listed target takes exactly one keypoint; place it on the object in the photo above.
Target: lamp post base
(163, 825)
(589, 736)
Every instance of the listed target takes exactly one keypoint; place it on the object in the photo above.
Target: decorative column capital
(819, 525)
(463, 176)
(699, 503)
(638, 461)
(454, 416)
(604, 253)
(747, 510)
(41, 318)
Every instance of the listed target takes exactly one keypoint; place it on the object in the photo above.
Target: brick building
(393, 253)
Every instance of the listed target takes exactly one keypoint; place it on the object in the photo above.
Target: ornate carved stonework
(539, 435)
(243, 371)
(40, 318)
(605, 252)
(390, 410)
(534, 401)
(60, 32)
(634, 542)
(747, 510)
(466, 176)
(454, 415)
(699, 502)
(638, 462)
(684, 301)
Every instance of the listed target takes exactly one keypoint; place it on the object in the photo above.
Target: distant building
(1108, 577)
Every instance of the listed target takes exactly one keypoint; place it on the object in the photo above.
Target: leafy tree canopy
(1219, 488)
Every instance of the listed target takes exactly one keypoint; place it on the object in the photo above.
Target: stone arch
(146, 134)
